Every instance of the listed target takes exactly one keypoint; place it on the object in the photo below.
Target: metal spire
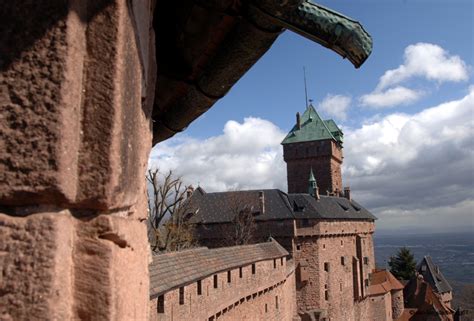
(305, 89)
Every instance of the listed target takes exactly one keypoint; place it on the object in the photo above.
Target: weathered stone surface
(58, 267)
(74, 130)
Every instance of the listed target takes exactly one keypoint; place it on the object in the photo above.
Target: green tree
(403, 265)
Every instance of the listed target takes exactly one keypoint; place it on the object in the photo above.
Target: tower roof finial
(311, 183)
(311, 176)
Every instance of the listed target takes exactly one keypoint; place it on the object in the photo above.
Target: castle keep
(313, 145)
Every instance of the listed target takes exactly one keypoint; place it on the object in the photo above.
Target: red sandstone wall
(328, 242)
(324, 157)
(381, 307)
(397, 304)
(241, 299)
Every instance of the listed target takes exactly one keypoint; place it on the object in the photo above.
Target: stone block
(58, 267)
(75, 129)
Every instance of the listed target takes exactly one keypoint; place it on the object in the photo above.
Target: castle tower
(315, 145)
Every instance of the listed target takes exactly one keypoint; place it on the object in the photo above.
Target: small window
(305, 222)
(324, 246)
(229, 276)
(340, 286)
(326, 266)
(366, 281)
(326, 295)
(199, 287)
(274, 263)
(253, 268)
(423, 268)
(298, 247)
(366, 260)
(342, 242)
(266, 308)
(276, 302)
(343, 260)
(160, 307)
(181, 295)
(281, 261)
(215, 281)
(240, 272)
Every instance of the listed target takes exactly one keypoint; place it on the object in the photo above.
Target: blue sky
(411, 122)
(273, 88)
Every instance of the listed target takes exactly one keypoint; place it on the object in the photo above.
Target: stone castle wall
(324, 157)
(269, 294)
(397, 303)
(329, 249)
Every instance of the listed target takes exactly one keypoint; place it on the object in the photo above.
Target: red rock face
(324, 157)
(75, 134)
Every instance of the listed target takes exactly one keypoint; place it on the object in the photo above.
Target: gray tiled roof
(221, 207)
(433, 275)
(328, 207)
(171, 270)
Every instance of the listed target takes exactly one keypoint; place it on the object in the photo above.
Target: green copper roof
(313, 127)
(311, 176)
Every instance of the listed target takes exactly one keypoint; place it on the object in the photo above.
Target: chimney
(189, 191)
(316, 192)
(347, 192)
(298, 120)
(261, 199)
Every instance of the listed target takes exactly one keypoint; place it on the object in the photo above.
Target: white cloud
(410, 170)
(414, 164)
(427, 61)
(422, 60)
(391, 97)
(247, 155)
(335, 105)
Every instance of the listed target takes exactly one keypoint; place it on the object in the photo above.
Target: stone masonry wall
(250, 297)
(397, 303)
(76, 91)
(333, 243)
(381, 308)
(324, 157)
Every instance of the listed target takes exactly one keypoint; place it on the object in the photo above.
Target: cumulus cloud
(247, 155)
(391, 97)
(405, 165)
(409, 170)
(336, 106)
(422, 60)
(429, 61)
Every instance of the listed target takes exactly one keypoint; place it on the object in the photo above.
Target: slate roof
(327, 207)
(313, 128)
(433, 275)
(172, 270)
(221, 207)
(382, 281)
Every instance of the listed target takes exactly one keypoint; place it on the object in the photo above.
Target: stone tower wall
(397, 303)
(324, 157)
(334, 243)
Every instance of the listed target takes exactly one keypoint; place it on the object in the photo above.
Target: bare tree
(168, 219)
(242, 227)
